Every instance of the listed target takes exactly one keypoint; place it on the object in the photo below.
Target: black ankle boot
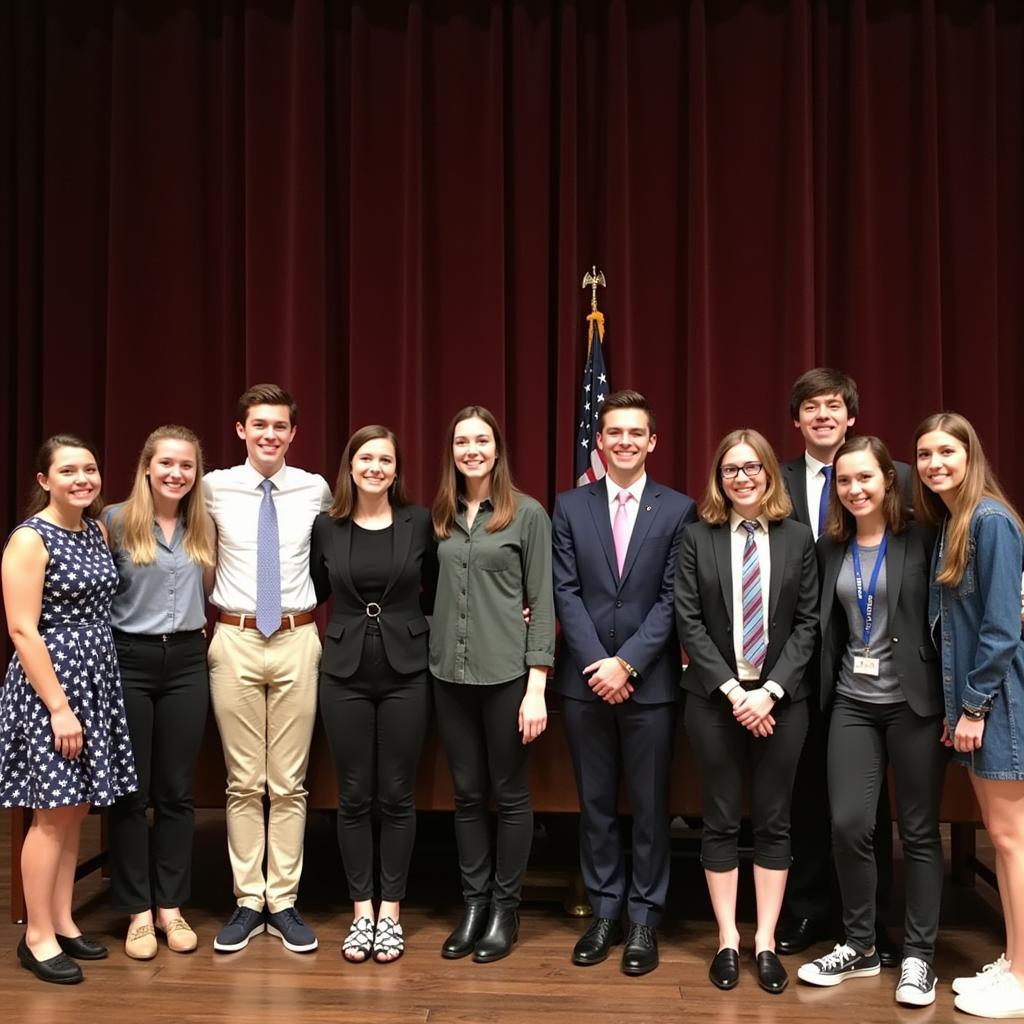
(461, 941)
(502, 931)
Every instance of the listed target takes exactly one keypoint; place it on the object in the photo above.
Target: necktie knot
(750, 525)
(267, 487)
(624, 496)
(826, 472)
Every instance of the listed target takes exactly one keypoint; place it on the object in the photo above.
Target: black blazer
(703, 594)
(408, 597)
(794, 476)
(908, 574)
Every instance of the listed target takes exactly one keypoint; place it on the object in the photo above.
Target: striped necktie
(754, 648)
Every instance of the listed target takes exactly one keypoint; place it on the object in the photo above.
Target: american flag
(589, 462)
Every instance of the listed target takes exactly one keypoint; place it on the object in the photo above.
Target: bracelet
(975, 714)
(630, 671)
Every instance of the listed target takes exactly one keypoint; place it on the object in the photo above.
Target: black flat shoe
(640, 955)
(596, 941)
(724, 971)
(502, 932)
(771, 975)
(801, 933)
(59, 969)
(82, 948)
(889, 953)
(465, 937)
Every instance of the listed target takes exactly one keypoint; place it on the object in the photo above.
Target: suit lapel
(342, 548)
(721, 540)
(777, 552)
(645, 516)
(602, 523)
(401, 539)
(895, 556)
(796, 479)
(830, 577)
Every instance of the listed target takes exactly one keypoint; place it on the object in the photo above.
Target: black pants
(863, 739)
(479, 726)
(723, 749)
(166, 695)
(629, 743)
(375, 722)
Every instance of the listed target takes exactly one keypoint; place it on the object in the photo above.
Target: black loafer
(889, 953)
(81, 947)
(802, 933)
(771, 975)
(640, 955)
(596, 941)
(465, 937)
(502, 932)
(59, 969)
(724, 971)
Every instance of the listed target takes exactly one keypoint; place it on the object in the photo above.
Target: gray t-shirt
(885, 688)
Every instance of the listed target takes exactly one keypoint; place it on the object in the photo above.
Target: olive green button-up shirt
(478, 634)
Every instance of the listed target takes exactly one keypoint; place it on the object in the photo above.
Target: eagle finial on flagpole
(593, 278)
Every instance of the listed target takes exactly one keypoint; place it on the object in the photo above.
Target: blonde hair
(775, 505)
(979, 482)
(135, 517)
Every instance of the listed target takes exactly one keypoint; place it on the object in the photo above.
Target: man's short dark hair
(267, 394)
(824, 381)
(626, 399)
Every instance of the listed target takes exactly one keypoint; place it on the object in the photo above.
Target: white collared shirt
(636, 489)
(745, 671)
(233, 497)
(815, 485)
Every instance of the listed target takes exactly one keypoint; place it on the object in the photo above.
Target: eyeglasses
(749, 469)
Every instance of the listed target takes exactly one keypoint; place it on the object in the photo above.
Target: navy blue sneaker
(242, 926)
(289, 927)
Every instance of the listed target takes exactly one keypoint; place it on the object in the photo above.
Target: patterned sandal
(389, 940)
(358, 940)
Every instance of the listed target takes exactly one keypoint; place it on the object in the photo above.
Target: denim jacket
(977, 629)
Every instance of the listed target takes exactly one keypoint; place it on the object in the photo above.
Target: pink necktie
(620, 529)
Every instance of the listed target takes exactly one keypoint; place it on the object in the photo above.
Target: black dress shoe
(888, 952)
(502, 931)
(640, 955)
(82, 948)
(595, 942)
(801, 933)
(771, 975)
(59, 969)
(724, 971)
(465, 937)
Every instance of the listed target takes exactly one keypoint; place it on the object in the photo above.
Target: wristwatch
(630, 671)
(774, 691)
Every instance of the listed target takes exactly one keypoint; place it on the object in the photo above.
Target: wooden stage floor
(536, 983)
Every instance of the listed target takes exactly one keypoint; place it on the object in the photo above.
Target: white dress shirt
(636, 489)
(233, 497)
(815, 485)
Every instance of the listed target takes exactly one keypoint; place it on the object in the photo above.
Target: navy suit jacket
(602, 614)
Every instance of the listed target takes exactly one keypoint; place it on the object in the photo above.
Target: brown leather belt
(249, 621)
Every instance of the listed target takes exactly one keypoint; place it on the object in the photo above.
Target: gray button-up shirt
(163, 597)
(478, 634)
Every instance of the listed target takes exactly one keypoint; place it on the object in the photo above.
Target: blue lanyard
(866, 599)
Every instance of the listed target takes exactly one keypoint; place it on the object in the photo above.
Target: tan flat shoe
(180, 937)
(141, 943)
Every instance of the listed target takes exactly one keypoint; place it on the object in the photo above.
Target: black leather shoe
(771, 975)
(82, 948)
(724, 971)
(640, 955)
(461, 941)
(595, 942)
(801, 933)
(888, 952)
(59, 969)
(502, 931)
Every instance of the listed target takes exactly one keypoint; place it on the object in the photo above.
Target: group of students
(895, 637)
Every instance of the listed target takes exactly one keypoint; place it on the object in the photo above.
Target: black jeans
(863, 739)
(375, 722)
(479, 726)
(166, 695)
(723, 748)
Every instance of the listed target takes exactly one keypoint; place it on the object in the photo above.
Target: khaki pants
(264, 695)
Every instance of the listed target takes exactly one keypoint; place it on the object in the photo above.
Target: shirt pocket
(501, 559)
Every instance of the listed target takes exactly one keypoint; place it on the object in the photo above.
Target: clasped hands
(609, 680)
(753, 710)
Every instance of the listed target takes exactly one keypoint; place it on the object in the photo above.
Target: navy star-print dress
(74, 623)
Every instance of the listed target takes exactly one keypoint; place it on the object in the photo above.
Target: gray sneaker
(241, 926)
(289, 927)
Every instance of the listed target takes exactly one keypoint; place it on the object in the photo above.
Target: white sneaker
(984, 977)
(1003, 998)
(917, 983)
(842, 963)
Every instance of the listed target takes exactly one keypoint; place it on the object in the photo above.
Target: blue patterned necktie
(268, 565)
(826, 472)
(754, 648)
